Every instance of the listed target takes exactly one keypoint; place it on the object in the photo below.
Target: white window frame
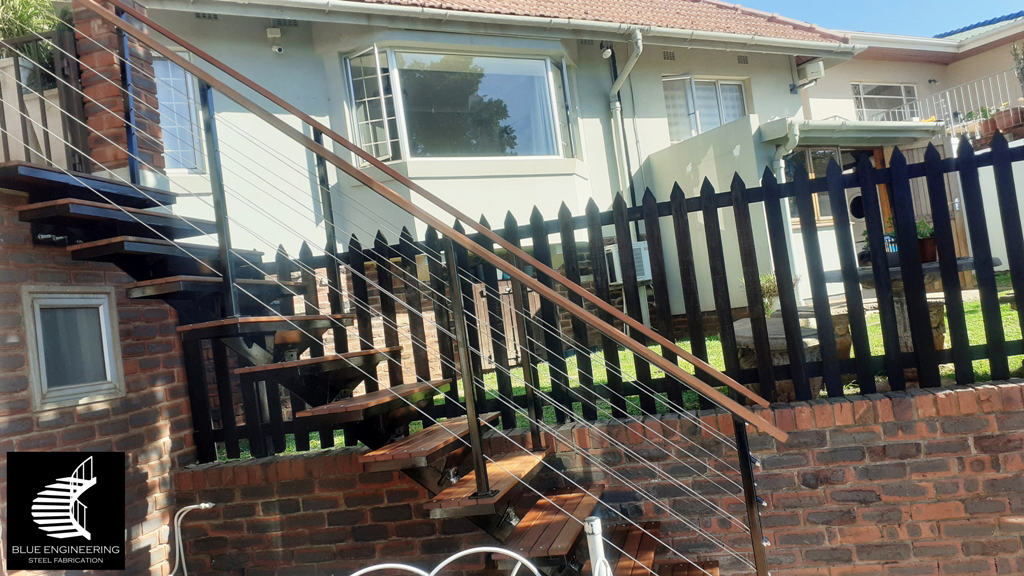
(34, 298)
(691, 104)
(858, 100)
(197, 120)
(567, 115)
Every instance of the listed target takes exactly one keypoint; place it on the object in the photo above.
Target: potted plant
(926, 241)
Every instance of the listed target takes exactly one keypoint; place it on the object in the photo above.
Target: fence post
(519, 315)
(469, 388)
(128, 83)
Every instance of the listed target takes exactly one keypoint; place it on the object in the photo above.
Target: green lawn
(975, 328)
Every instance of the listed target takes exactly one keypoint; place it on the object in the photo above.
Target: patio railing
(974, 109)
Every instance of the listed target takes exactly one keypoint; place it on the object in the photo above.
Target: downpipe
(616, 110)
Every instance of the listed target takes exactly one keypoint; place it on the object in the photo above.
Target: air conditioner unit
(641, 258)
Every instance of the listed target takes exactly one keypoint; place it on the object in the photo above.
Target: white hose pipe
(179, 552)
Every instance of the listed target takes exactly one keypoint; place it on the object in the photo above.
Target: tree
(447, 115)
(23, 17)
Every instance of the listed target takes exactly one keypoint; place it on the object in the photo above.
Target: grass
(975, 331)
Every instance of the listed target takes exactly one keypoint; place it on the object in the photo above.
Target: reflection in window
(175, 92)
(458, 105)
(815, 162)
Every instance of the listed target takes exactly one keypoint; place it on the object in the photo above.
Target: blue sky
(913, 17)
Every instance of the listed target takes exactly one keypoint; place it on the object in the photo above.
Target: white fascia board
(388, 15)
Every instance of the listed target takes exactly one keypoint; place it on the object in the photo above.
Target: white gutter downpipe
(616, 109)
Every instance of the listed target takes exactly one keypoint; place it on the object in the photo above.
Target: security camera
(277, 49)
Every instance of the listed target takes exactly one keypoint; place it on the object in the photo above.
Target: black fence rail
(898, 279)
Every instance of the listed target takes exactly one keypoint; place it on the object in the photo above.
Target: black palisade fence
(596, 383)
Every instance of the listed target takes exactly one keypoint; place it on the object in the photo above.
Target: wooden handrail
(670, 368)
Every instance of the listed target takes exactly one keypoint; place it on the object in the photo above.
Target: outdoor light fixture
(607, 53)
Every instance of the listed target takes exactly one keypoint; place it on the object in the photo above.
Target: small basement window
(73, 346)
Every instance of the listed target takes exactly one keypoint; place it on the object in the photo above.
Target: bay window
(417, 104)
(696, 106)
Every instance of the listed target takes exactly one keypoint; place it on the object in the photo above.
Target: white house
(499, 107)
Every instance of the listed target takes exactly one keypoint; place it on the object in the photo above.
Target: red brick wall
(919, 483)
(151, 424)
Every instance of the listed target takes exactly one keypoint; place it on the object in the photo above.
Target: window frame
(566, 114)
(858, 99)
(818, 218)
(192, 84)
(691, 90)
(34, 299)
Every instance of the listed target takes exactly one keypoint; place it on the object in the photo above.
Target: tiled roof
(981, 27)
(703, 15)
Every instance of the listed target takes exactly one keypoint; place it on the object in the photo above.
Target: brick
(854, 496)
(972, 528)
(947, 549)
(841, 517)
(947, 447)
(999, 444)
(946, 403)
(903, 451)
(823, 414)
(887, 471)
(829, 555)
(858, 436)
(1010, 397)
(979, 506)
(804, 538)
(967, 399)
(840, 455)
(988, 399)
(844, 413)
(937, 511)
(894, 552)
(967, 567)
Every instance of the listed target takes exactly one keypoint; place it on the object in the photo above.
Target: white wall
(272, 193)
(735, 148)
(832, 95)
(991, 202)
(980, 65)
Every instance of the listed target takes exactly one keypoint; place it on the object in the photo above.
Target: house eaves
(936, 50)
(421, 18)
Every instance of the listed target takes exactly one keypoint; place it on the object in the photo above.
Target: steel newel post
(522, 335)
(595, 544)
(750, 497)
(220, 209)
(469, 388)
(128, 82)
(327, 206)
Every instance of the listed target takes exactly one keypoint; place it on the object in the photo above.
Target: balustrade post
(128, 83)
(469, 387)
(220, 209)
(522, 336)
(750, 497)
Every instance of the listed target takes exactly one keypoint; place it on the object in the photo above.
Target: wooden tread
(417, 450)
(101, 217)
(552, 527)
(684, 568)
(631, 552)
(318, 363)
(255, 325)
(116, 249)
(42, 183)
(505, 474)
(360, 407)
(185, 286)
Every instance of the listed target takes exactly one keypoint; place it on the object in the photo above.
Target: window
(696, 106)
(73, 345)
(376, 122)
(175, 92)
(874, 100)
(429, 105)
(815, 161)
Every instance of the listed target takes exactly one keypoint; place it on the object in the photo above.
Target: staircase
(232, 304)
(57, 511)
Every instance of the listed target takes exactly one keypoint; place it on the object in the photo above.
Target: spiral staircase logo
(56, 509)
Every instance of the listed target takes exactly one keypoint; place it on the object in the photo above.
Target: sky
(910, 17)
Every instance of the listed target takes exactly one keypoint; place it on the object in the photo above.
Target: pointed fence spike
(484, 222)
(768, 174)
(998, 140)
(405, 234)
(737, 181)
(931, 153)
(305, 252)
(510, 220)
(564, 212)
(897, 153)
(592, 207)
(649, 197)
(536, 218)
(459, 227)
(677, 191)
(833, 166)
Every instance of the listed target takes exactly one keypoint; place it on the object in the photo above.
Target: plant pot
(927, 250)
(987, 126)
(1008, 118)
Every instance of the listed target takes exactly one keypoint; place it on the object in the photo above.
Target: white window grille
(179, 118)
(873, 100)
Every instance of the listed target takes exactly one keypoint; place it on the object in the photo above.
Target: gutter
(608, 30)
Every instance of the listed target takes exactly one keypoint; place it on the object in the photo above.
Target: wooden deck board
(426, 441)
(263, 319)
(371, 399)
(266, 368)
(504, 473)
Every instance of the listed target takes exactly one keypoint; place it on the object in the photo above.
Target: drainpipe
(616, 109)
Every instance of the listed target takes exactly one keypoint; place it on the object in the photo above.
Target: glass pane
(370, 106)
(72, 346)
(883, 90)
(706, 100)
(677, 109)
(910, 92)
(819, 161)
(178, 119)
(562, 112)
(476, 106)
(733, 107)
